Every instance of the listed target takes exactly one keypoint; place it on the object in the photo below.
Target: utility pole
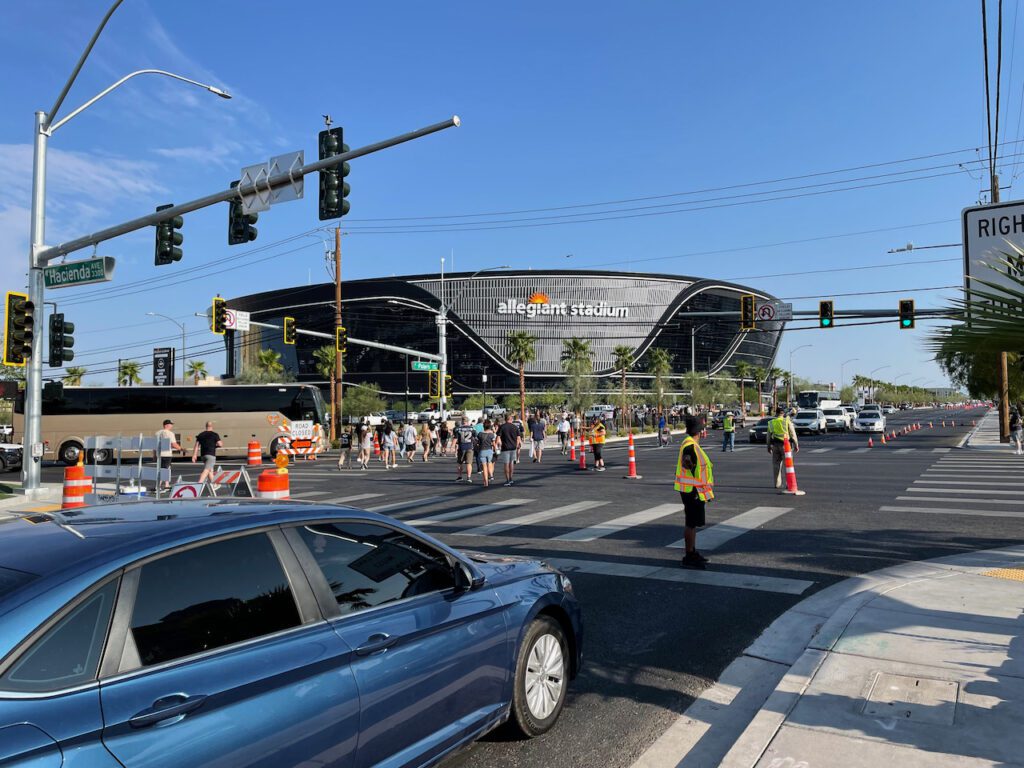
(336, 405)
(1004, 378)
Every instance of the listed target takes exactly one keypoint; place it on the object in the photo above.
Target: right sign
(989, 232)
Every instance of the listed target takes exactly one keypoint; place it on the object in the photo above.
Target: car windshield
(807, 415)
(869, 415)
(834, 412)
(762, 422)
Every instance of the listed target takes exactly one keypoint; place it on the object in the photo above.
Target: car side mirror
(465, 581)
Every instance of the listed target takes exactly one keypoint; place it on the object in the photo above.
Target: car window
(68, 654)
(807, 415)
(834, 412)
(367, 565)
(210, 596)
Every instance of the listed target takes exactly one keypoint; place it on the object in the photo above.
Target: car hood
(500, 569)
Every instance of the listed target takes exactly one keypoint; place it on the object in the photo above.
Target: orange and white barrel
(272, 484)
(76, 485)
(255, 453)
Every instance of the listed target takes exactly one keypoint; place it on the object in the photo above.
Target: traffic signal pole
(336, 389)
(32, 440)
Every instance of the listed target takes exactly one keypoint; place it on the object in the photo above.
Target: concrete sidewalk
(985, 436)
(919, 664)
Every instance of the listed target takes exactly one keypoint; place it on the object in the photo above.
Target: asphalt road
(654, 643)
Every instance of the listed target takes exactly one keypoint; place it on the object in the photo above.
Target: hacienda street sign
(79, 272)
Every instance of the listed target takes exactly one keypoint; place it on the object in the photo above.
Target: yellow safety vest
(598, 434)
(778, 428)
(701, 478)
(727, 423)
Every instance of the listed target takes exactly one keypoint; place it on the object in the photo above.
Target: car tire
(541, 678)
(272, 450)
(99, 456)
(69, 452)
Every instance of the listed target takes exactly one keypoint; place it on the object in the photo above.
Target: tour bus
(238, 413)
(812, 400)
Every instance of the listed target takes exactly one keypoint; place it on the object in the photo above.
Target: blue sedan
(244, 633)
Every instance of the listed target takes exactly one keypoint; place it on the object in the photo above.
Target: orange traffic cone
(583, 452)
(376, 446)
(791, 488)
(572, 446)
(871, 443)
(632, 461)
(883, 438)
(76, 485)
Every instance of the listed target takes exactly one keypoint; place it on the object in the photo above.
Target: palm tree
(521, 350)
(659, 365)
(197, 370)
(743, 369)
(578, 364)
(623, 358)
(269, 362)
(128, 373)
(774, 374)
(759, 374)
(73, 376)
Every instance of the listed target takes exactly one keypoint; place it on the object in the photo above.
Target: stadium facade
(607, 309)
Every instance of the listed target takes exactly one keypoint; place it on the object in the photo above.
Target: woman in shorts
(485, 450)
(425, 440)
(443, 437)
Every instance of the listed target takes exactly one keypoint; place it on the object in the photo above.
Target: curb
(733, 722)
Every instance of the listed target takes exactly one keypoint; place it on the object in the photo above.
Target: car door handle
(175, 705)
(376, 643)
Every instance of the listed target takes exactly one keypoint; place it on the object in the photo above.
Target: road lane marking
(709, 578)
(620, 523)
(386, 508)
(727, 530)
(905, 450)
(531, 519)
(970, 481)
(860, 450)
(941, 450)
(975, 491)
(304, 494)
(456, 514)
(1017, 502)
(954, 511)
(347, 499)
(821, 450)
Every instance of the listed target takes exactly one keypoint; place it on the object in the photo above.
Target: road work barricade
(255, 452)
(791, 487)
(272, 484)
(76, 485)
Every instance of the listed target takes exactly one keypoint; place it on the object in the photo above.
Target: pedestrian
(522, 434)
(728, 432)
(1017, 431)
(663, 432)
(510, 440)
(168, 444)
(365, 445)
(484, 445)
(597, 435)
(379, 431)
(538, 433)
(389, 446)
(207, 443)
(780, 428)
(443, 437)
(409, 436)
(464, 435)
(563, 433)
(425, 440)
(344, 445)
(695, 481)
(433, 439)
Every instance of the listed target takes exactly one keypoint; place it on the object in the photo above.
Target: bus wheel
(272, 450)
(69, 452)
(100, 456)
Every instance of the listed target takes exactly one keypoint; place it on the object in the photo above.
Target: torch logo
(539, 298)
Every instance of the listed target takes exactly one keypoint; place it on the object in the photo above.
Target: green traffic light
(826, 321)
(906, 322)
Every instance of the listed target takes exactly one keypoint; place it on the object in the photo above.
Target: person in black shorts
(207, 443)
(464, 436)
(694, 481)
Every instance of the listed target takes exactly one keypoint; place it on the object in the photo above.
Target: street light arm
(78, 67)
(167, 317)
(453, 302)
(212, 89)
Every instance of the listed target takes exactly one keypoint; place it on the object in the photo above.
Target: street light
(182, 326)
(693, 346)
(842, 375)
(44, 128)
(872, 375)
(802, 346)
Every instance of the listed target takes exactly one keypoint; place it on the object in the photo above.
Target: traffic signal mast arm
(283, 179)
(351, 340)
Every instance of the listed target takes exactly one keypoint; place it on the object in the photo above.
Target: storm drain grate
(918, 699)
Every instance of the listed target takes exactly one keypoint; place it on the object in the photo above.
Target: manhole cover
(919, 699)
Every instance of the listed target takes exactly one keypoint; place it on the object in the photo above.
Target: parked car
(244, 633)
(10, 457)
(759, 432)
(490, 411)
(600, 411)
(869, 420)
(809, 422)
(836, 418)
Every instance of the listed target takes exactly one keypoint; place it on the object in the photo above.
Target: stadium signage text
(540, 306)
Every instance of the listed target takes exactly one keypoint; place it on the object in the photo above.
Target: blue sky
(562, 104)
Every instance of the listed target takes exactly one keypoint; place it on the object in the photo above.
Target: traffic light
(447, 391)
(219, 316)
(241, 227)
(826, 312)
(434, 383)
(340, 338)
(333, 188)
(61, 340)
(168, 238)
(906, 314)
(289, 330)
(18, 328)
(747, 307)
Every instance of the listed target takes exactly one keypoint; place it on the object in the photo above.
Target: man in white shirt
(563, 433)
(168, 445)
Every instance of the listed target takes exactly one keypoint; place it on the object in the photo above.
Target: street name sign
(79, 272)
(991, 232)
(773, 310)
(423, 365)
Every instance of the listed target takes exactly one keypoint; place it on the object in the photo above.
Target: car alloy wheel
(542, 675)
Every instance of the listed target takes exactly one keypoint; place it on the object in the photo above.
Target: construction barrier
(791, 488)
(632, 461)
(76, 485)
(583, 452)
(255, 453)
(272, 484)
(572, 446)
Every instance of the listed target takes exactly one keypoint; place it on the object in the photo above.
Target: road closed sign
(991, 233)
(302, 430)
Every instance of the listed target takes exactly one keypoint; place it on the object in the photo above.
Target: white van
(602, 411)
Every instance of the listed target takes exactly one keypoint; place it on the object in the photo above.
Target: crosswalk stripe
(386, 508)
(457, 514)
(712, 578)
(941, 450)
(975, 491)
(620, 523)
(953, 511)
(531, 519)
(821, 450)
(970, 481)
(305, 494)
(860, 450)
(727, 530)
(347, 499)
(905, 450)
(1017, 502)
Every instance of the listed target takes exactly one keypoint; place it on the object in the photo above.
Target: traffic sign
(991, 235)
(422, 365)
(79, 272)
(237, 320)
(774, 310)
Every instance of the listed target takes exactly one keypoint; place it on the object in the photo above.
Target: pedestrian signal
(219, 316)
(289, 330)
(19, 321)
(826, 311)
(906, 313)
(747, 307)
